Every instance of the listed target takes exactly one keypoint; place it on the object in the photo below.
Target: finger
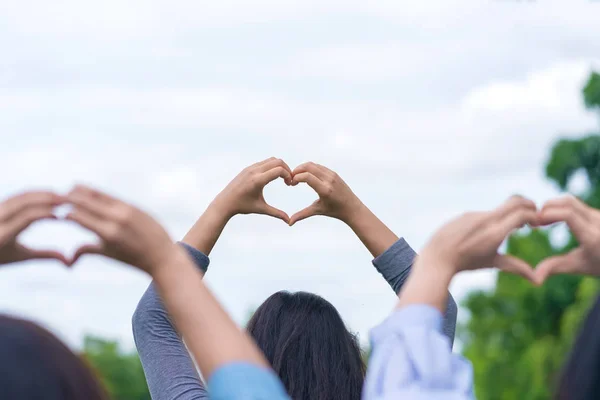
(87, 191)
(87, 249)
(277, 172)
(89, 203)
(20, 222)
(262, 162)
(574, 262)
(277, 162)
(275, 212)
(32, 254)
(17, 204)
(90, 221)
(312, 181)
(517, 219)
(515, 266)
(309, 211)
(514, 203)
(567, 201)
(317, 170)
(574, 220)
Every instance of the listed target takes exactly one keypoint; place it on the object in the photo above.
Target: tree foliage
(519, 335)
(120, 372)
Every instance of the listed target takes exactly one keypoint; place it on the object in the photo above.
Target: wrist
(220, 211)
(355, 214)
(427, 284)
(169, 255)
(435, 266)
(172, 260)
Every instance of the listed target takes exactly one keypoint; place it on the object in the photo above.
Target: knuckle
(569, 214)
(516, 199)
(124, 215)
(112, 232)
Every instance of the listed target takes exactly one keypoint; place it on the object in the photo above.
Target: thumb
(275, 212)
(305, 213)
(86, 249)
(31, 254)
(572, 262)
(516, 266)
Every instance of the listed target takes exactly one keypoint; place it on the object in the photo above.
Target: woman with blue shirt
(411, 358)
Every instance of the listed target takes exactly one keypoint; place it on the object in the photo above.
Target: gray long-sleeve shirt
(170, 371)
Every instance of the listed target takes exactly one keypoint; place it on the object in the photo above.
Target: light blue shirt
(244, 381)
(412, 359)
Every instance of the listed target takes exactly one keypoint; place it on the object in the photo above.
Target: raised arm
(393, 257)
(226, 356)
(411, 358)
(169, 370)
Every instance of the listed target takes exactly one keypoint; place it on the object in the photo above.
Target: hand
(244, 194)
(16, 214)
(584, 223)
(336, 199)
(472, 240)
(127, 234)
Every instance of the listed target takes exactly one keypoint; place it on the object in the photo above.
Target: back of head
(581, 375)
(307, 343)
(34, 365)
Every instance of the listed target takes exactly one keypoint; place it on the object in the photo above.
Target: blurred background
(426, 108)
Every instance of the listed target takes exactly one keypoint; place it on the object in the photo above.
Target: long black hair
(309, 347)
(35, 365)
(581, 374)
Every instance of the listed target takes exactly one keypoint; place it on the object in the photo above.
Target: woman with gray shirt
(301, 334)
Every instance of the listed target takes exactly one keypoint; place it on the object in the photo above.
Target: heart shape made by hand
(244, 194)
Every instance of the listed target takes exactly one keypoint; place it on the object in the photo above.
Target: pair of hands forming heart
(127, 234)
(244, 195)
(472, 240)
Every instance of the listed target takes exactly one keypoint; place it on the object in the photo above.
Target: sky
(426, 109)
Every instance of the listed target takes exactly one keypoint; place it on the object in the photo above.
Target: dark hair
(306, 342)
(581, 374)
(34, 365)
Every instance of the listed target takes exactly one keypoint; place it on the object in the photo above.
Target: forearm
(168, 367)
(208, 228)
(213, 338)
(371, 231)
(427, 284)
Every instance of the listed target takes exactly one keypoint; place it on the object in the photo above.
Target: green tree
(121, 372)
(518, 335)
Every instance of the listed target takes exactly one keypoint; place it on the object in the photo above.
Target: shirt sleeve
(412, 359)
(395, 265)
(170, 371)
(244, 381)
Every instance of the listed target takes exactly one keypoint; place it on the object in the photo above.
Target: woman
(34, 364)
(409, 359)
(302, 335)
